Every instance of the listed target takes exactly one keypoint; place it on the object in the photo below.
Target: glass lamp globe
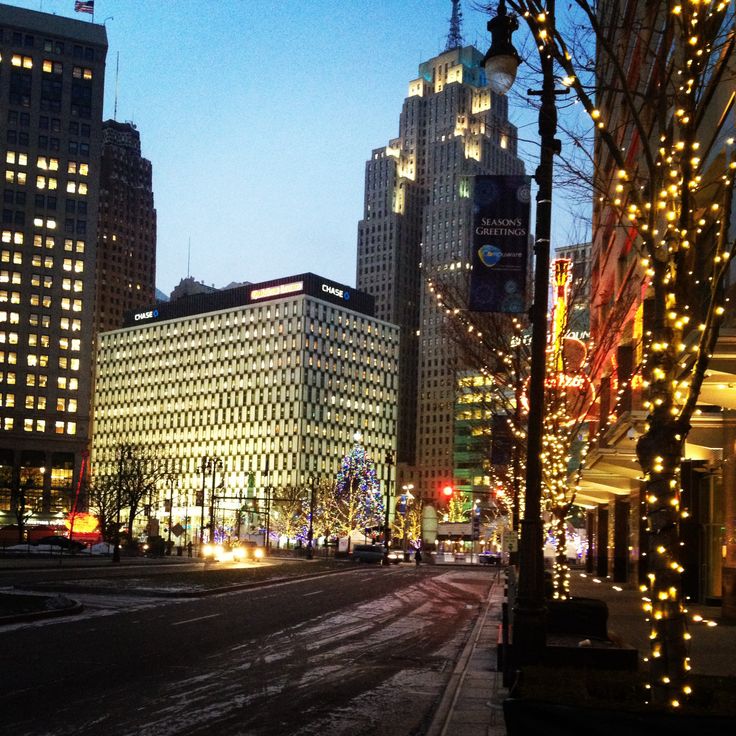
(501, 72)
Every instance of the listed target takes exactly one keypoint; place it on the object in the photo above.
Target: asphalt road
(367, 651)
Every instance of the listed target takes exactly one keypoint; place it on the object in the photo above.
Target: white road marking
(199, 618)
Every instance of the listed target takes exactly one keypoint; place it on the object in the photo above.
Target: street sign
(177, 529)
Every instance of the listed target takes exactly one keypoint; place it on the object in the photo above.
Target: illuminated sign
(146, 315)
(336, 291)
(272, 291)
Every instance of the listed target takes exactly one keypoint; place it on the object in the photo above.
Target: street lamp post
(529, 608)
(386, 524)
(407, 489)
(170, 480)
(125, 452)
(310, 533)
(205, 466)
(216, 464)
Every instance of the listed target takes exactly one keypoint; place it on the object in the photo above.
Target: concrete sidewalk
(473, 701)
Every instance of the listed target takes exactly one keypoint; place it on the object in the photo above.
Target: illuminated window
(71, 427)
(47, 163)
(11, 256)
(59, 427)
(73, 187)
(16, 157)
(24, 61)
(10, 277)
(28, 425)
(40, 241)
(42, 261)
(52, 67)
(8, 423)
(79, 72)
(46, 182)
(9, 236)
(40, 222)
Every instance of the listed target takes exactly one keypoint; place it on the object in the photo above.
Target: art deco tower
(416, 225)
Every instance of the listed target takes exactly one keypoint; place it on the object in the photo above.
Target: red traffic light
(447, 491)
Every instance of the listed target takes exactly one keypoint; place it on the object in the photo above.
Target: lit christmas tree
(358, 498)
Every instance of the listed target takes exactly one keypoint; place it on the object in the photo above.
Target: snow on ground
(326, 655)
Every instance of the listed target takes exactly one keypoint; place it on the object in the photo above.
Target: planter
(559, 701)
(525, 716)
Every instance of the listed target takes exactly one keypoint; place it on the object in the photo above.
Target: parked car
(489, 558)
(72, 545)
(373, 553)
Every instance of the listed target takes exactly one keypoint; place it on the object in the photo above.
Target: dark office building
(51, 90)
(126, 241)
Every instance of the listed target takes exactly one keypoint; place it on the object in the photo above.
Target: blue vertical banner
(498, 280)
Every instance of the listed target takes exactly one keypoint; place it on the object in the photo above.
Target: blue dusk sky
(258, 117)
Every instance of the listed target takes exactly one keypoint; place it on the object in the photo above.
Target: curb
(73, 608)
(443, 714)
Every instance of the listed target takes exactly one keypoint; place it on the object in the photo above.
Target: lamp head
(502, 60)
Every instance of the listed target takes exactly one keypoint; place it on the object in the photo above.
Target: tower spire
(455, 36)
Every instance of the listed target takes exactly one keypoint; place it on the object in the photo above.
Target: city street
(362, 652)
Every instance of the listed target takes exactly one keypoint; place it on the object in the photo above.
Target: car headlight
(209, 550)
(258, 553)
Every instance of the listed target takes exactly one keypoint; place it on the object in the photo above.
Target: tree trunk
(660, 454)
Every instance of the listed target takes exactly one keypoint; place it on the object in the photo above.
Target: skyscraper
(51, 85)
(126, 242)
(416, 225)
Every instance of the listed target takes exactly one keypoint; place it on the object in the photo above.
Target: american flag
(84, 6)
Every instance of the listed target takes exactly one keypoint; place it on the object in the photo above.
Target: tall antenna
(117, 76)
(455, 36)
(189, 256)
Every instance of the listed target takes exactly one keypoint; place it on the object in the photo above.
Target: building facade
(622, 317)
(126, 238)
(51, 85)
(416, 226)
(272, 379)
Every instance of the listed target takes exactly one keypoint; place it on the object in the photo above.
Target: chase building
(271, 379)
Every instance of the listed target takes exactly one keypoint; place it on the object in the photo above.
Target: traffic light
(447, 491)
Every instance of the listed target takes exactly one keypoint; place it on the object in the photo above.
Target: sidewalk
(473, 701)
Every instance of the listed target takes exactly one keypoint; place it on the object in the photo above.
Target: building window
(26, 62)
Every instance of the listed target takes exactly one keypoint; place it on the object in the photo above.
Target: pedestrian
(418, 557)
(189, 549)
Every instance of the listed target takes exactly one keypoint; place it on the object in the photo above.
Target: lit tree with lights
(670, 187)
(357, 502)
